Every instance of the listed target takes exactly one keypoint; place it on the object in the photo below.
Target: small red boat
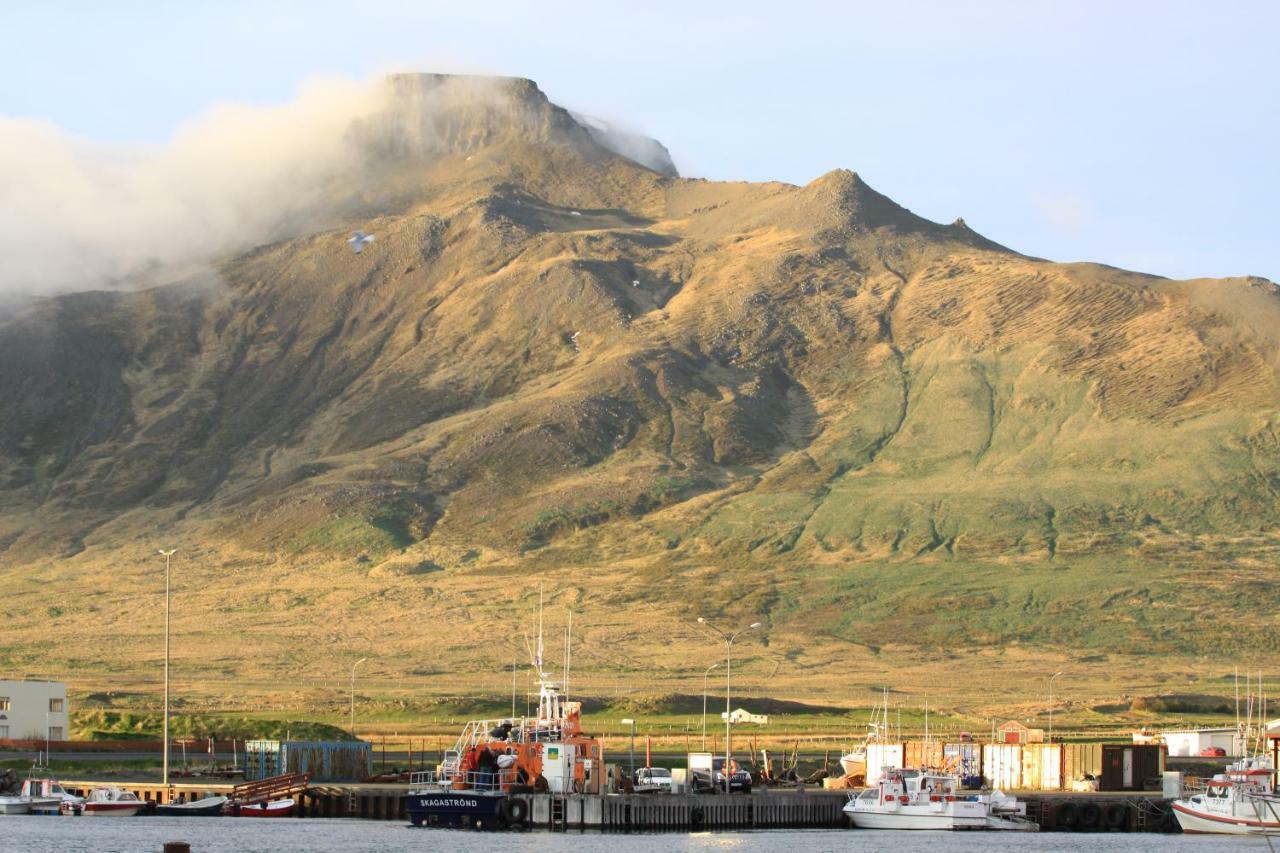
(267, 808)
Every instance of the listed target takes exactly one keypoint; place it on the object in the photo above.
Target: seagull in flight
(358, 239)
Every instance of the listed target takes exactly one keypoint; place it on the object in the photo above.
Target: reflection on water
(228, 835)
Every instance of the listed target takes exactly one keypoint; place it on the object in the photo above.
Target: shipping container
(1080, 760)
(881, 757)
(1002, 766)
(923, 754)
(322, 761)
(1041, 767)
(1128, 767)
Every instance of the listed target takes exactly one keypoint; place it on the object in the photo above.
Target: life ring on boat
(934, 798)
(951, 798)
(904, 799)
(1067, 816)
(888, 798)
(513, 811)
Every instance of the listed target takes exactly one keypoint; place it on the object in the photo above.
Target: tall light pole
(353, 695)
(167, 556)
(728, 672)
(1051, 678)
(704, 704)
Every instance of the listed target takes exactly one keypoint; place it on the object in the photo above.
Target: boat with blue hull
(483, 779)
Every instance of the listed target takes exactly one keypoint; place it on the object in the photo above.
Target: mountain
(663, 397)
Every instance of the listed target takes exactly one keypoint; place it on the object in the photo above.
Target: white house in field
(742, 715)
(33, 710)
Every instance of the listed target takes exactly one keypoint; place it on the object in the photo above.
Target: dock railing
(472, 780)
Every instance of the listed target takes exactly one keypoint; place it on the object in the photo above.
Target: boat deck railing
(472, 780)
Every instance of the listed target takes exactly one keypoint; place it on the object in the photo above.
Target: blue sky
(1140, 134)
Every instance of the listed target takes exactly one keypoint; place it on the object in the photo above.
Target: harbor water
(228, 835)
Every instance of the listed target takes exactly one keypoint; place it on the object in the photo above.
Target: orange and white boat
(494, 761)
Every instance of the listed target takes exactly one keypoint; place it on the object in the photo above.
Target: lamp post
(704, 704)
(632, 723)
(728, 672)
(353, 695)
(167, 557)
(1051, 678)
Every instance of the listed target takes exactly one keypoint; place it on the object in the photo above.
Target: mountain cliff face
(806, 402)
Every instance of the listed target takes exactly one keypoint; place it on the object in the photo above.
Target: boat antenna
(568, 653)
(1237, 670)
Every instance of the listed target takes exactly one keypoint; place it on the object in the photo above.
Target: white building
(742, 715)
(1191, 742)
(33, 710)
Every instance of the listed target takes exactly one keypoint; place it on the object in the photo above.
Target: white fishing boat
(914, 799)
(47, 796)
(112, 802)
(1241, 801)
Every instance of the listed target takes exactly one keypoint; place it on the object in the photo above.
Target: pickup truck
(654, 780)
(712, 781)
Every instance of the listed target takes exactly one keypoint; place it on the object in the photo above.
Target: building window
(56, 705)
(55, 732)
(4, 732)
(4, 703)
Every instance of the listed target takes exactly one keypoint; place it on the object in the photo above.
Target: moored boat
(913, 799)
(47, 796)
(208, 806)
(1241, 801)
(14, 805)
(266, 808)
(479, 783)
(112, 802)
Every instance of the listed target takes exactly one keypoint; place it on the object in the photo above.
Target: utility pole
(1051, 678)
(167, 556)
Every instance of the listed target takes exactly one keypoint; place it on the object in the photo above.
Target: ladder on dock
(557, 819)
(271, 788)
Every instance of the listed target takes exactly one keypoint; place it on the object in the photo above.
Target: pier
(777, 809)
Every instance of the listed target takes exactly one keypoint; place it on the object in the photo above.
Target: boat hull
(458, 809)
(200, 808)
(917, 817)
(1197, 821)
(112, 809)
(277, 808)
(14, 806)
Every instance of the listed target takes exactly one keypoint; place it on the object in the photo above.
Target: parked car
(1213, 752)
(656, 780)
(711, 782)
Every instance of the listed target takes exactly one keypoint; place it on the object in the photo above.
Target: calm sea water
(227, 835)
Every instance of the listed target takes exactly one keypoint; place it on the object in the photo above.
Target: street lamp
(632, 723)
(1051, 678)
(353, 695)
(728, 672)
(167, 556)
(704, 704)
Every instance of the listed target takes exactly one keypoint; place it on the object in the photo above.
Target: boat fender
(951, 798)
(514, 811)
(1090, 816)
(888, 798)
(695, 816)
(1116, 817)
(934, 798)
(904, 799)
(1168, 822)
(1067, 816)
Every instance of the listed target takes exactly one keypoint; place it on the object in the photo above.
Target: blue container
(322, 761)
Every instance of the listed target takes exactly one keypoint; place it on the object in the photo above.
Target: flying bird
(358, 239)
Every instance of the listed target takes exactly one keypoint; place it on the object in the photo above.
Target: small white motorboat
(112, 802)
(913, 799)
(269, 808)
(14, 805)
